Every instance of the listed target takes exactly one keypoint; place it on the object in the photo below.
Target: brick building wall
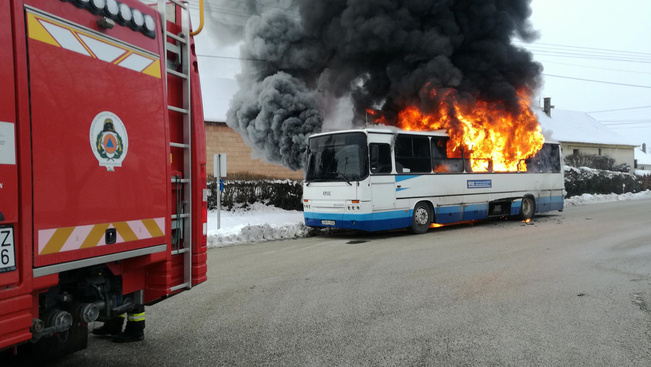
(220, 138)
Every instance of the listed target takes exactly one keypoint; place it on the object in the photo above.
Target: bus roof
(383, 130)
(393, 131)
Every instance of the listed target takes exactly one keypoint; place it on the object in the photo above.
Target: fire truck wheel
(527, 208)
(421, 219)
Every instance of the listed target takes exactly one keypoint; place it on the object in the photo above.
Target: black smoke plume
(379, 54)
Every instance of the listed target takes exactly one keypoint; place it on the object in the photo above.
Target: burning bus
(470, 163)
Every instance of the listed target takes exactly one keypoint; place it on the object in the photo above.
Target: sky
(596, 57)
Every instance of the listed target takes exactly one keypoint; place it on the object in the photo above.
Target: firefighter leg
(112, 326)
(135, 330)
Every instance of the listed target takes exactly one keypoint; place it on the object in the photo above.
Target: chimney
(547, 106)
(644, 147)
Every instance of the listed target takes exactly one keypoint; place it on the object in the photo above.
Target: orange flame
(486, 132)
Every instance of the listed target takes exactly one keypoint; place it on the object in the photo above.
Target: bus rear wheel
(527, 208)
(421, 218)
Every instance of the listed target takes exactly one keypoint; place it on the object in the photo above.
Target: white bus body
(378, 179)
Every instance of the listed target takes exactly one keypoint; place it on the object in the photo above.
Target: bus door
(383, 182)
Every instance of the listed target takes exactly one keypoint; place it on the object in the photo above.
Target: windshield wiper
(344, 177)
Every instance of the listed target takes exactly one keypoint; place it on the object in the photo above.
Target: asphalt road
(568, 289)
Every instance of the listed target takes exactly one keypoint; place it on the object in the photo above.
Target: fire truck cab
(102, 165)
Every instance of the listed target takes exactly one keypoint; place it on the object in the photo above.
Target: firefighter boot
(111, 327)
(135, 330)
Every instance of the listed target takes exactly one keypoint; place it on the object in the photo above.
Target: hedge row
(284, 194)
(585, 180)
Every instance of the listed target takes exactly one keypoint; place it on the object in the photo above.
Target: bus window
(482, 165)
(548, 159)
(380, 158)
(412, 154)
(441, 161)
(339, 157)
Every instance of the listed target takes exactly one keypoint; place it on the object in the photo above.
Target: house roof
(578, 127)
(641, 157)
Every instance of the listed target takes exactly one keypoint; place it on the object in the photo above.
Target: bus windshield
(337, 157)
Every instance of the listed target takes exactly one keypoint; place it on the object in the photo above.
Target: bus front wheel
(421, 219)
(527, 208)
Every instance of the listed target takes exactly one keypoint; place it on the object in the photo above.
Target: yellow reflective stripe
(121, 58)
(57, 240)
(153, 228)
(38, 32)
(125, 231)
(137, 317)
(96, 234)
(153, 69)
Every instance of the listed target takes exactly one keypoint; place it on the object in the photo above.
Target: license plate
(7, 252)
(328, 222)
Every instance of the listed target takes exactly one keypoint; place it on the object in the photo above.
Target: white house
(579, 133)
(642, 161)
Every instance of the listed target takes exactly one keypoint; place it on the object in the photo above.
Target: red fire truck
(102, 165)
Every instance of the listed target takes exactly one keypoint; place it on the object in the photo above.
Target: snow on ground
(256, 224)
(593, 199)
(262, 223)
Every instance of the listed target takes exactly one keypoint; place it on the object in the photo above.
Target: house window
(575, 152)
(600, 151)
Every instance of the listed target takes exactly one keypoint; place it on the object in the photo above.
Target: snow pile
(586, 199)
(257, 223)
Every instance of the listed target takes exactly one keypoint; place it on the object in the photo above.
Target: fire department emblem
(109, 140)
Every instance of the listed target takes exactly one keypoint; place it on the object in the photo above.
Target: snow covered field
(265, 223)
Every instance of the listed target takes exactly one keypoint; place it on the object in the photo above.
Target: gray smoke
(228, 17)
(383, 54)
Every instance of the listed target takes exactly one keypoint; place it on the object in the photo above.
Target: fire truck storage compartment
(99, 184)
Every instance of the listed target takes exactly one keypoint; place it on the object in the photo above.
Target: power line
(597, 81)
(232, 58)
(592, 56)
(630, 127)
(621, 109)
(594, 67)
(623, 122)
(586, 49)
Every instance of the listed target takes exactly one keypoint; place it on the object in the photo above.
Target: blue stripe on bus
(546, 204)
(448, 214)
(516, 207)
(405, 177)
(366, 222)
(402, 218)
(475, 211)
